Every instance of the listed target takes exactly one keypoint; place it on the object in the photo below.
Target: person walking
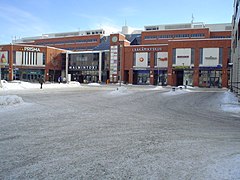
(41, 81)
(59, 79)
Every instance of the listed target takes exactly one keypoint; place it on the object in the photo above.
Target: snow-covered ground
(127, 132)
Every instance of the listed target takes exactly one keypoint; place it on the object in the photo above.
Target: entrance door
(179, 75)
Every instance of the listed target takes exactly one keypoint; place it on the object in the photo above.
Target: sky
(28, 18)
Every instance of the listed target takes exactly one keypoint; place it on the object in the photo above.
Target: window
(44, 59)
(220, 55)
(192, 55)
(174, 56)
(150, 37)
(134, 59)
(149, 59)
(155, 58)
(201, 56)
(14, 57)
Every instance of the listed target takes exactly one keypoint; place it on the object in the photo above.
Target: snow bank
(93, 84)
(9, 100)
(230, 103)
(21, 85)
(158, 88)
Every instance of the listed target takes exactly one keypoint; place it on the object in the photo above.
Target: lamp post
(231, 75)
(158, 71)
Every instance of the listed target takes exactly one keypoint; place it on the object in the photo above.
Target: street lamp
(231, 75)
(158, 71)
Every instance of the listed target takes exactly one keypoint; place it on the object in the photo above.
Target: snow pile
(21, 85)
(158, 88)
(119, 91)
(9, 100)
(230, 103)
(93, 84)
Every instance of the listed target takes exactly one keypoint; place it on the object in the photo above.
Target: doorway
(179, 76)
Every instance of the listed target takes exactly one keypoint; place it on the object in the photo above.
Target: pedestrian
(59, 79)
(41, 81)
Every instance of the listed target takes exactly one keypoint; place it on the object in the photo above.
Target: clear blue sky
(26, 18)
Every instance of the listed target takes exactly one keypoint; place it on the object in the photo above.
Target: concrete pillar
(100, 67)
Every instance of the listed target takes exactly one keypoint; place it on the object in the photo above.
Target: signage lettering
(163, 59)
(182, 56)
(31, 49)
(146, 49)
(211, 58)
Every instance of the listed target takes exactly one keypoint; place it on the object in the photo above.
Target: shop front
(183, 77)
(210, 77)
(30, 75)
(141, 77)
(160, 77)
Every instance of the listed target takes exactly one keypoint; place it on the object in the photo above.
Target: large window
(86, 61)
(220, 55)
(201, 56)
(192, 55)
(174, 56)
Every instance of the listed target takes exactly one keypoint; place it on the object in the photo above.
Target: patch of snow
(93, 84)
(10, 100)
(230, 103)
(157, 88)
(21, 85)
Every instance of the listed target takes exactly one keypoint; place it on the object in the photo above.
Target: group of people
(60, 79)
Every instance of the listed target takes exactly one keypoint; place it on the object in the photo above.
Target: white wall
(183, 56)
(162, 59)
(141, 59)
(210, 57)
(32, 59)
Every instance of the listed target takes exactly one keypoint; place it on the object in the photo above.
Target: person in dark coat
(41, 81)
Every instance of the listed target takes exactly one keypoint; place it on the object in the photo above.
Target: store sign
(141, 59)
(211, 58)
(113, 60)
(182, 67)
(163, 59)
(143, 49)
(3, 57)
(32, 49)
(182, 56)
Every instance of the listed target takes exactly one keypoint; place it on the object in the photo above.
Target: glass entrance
(143, 77)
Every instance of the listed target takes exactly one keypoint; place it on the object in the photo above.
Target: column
(100, 67)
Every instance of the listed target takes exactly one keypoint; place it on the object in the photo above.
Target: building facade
(29, 62)
(178, 54)
(235, 60)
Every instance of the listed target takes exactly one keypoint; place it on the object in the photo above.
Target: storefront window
(143, 77)
(210, 78)
(188, 78)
